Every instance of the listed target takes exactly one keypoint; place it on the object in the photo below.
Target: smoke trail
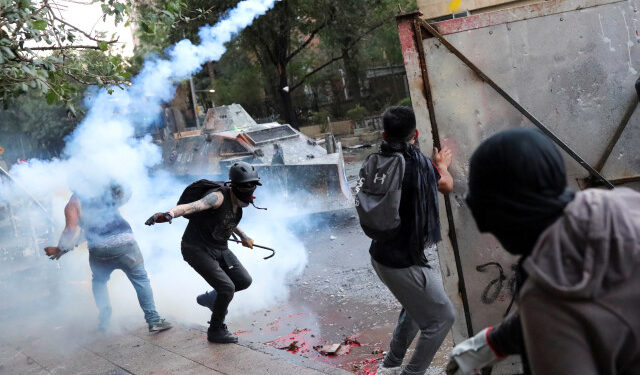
(103, 149)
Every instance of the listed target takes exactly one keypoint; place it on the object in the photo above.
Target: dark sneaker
(221, 335)
(207, 300)
(159, 325)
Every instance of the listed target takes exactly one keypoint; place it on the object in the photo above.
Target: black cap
(242, 172)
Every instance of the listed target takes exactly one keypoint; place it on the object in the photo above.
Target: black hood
(517, 187)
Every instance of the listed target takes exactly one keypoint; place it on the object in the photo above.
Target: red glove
(160, 217)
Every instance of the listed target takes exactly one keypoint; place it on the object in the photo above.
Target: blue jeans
(129, 259)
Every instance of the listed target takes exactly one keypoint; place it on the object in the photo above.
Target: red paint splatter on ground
(238, 333)
(366, 367)
(636, 32)
(296, 315)
(297, 341)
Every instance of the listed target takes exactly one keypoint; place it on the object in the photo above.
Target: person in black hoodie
(400, 262)
(578, 304)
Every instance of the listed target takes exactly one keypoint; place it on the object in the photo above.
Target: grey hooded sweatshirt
(580, 306)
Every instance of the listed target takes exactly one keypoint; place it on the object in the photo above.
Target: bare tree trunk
(352, 73)
(211, 71)
(284, 95)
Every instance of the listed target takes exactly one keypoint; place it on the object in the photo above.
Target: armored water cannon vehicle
(292, 166)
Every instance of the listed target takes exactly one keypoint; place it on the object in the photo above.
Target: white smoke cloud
(103, 149)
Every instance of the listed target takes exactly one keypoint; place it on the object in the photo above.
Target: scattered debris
(366, 367)
(295, 342)
(327, 349)
(351, 341)
(293, 347)
(333, 237)
(337, 349)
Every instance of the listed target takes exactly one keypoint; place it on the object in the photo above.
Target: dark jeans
(222, 270)
(129, 259)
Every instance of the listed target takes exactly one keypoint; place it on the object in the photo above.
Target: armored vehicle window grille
(271, 134)
(231, 147)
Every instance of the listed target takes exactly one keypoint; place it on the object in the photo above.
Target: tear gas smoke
(104, 149)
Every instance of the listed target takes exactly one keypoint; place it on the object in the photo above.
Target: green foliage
(45, 124)
(299, 44)
(39, 51)
(319, 118)
(163, 23)
(357, 113)
(239, 81)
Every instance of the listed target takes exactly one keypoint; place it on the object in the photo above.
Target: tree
(293, 45)
(279, 36)
(38, 50)
(355, 21)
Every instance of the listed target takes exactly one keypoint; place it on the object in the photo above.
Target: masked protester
(578, 301)
(111, 246)
(212, 220)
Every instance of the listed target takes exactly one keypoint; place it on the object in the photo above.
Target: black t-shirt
(395, 252)
(213, 227)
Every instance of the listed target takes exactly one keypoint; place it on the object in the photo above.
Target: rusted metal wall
(572, 64)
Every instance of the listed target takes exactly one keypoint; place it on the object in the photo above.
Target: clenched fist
(53, 252)
(160, 217)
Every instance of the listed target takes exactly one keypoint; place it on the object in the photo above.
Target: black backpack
(196, 191)
(378, 194)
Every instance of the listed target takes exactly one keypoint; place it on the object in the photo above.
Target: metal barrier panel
(573, 65)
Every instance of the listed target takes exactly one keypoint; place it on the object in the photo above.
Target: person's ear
(384, 136)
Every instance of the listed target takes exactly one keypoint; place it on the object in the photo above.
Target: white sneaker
(388, 370)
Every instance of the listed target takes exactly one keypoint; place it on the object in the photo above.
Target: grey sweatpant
(425, 308)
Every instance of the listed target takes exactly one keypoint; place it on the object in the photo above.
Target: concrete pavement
(181, 350)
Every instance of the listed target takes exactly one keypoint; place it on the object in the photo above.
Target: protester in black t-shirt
(400, 262)
(204, 243)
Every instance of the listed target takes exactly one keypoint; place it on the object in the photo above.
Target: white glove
(471, 355)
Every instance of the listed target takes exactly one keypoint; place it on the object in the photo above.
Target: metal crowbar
(273, 252)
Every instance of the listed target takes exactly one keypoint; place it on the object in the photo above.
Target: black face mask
(517, 187)
(244, 192)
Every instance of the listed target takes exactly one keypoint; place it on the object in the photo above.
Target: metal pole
(195, 104)
(435, 134)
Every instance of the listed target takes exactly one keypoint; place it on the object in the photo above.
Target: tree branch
(334, 59)
(314, 71)
(264, 44)
(64, 47)
(83, 32)
(304, 45)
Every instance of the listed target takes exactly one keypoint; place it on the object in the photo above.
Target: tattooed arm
(211, 200)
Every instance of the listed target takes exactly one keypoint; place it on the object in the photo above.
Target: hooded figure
(578, 300)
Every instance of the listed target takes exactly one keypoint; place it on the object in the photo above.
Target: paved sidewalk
(181, 350)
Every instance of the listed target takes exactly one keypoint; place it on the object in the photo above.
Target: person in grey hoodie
(579, 301)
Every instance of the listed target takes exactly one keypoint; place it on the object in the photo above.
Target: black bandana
(517, 187)
(244, 194)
